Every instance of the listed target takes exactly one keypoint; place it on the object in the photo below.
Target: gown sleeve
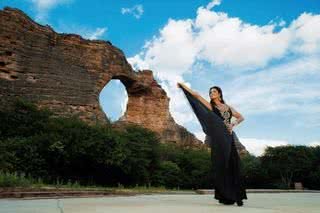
(214, 127)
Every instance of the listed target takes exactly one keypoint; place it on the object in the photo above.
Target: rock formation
(66, 73)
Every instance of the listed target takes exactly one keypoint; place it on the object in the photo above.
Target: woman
(215, 119)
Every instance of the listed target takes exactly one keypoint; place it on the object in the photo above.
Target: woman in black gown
(215, 119)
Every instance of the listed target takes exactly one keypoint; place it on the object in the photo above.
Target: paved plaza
(187, 203)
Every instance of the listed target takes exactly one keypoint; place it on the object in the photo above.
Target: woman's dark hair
(219, 91)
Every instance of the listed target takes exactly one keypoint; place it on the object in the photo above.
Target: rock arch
(66, 74)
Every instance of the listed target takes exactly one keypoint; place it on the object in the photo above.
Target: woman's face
(214, 93)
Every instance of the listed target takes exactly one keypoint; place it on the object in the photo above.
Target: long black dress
(225, 159)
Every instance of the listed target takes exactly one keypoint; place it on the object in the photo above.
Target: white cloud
(168, 58)
(221, 41)
(278, 22)
(44, 6)
(279, 88)
(314, 143)
(282, 23)
(96, 34)
(306, 33)
(136, 11)
(124, 101)
(200, 135)
(137, 62)
(85, 32)
(213, 3)
(244, 51)
(171, 54)
(257, 146)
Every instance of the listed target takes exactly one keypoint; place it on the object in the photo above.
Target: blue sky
(264, 54)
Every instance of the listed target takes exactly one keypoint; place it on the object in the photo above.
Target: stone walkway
(37, 194)
(192, 203)
(210, 191)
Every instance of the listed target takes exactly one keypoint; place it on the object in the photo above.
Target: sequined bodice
(225, 113)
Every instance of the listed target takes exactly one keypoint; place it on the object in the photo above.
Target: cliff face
(66, 73)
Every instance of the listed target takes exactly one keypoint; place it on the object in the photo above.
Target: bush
(168, 174)
(66, 150)
(34, 142)
(191, 166)
(14, 180)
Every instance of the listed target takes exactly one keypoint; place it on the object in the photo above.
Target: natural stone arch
(66, 73)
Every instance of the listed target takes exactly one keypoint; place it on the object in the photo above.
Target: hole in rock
(113, 100)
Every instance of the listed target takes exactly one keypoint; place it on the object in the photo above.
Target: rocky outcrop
(66, 73)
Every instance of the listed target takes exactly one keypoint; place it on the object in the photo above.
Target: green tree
(141, 155)
(254, 174)
(289, 163)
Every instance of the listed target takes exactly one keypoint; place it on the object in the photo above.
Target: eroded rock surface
(66, 74)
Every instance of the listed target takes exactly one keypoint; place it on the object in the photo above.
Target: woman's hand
(179, 85)
(195, 94)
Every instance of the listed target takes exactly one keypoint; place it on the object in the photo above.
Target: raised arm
(237, 115)
(197, 95)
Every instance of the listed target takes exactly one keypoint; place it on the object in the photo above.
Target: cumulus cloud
(306, 33)
(244, 52)
(44, 6)
(167, 57)
(221, 41)
(172, 53)
(136, 11)
(257, 146)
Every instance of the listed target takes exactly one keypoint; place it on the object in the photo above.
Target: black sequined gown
(228, 182)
